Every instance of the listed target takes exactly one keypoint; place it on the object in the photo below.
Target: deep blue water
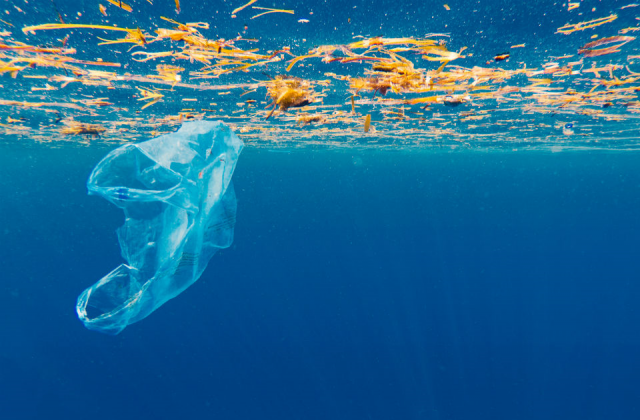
(484, 285)
(361, 285)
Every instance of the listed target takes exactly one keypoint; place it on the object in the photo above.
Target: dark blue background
(381, 285)
(361, 285)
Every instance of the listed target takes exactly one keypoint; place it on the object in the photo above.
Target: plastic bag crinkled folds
(180, 208)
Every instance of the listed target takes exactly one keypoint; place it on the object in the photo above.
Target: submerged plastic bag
(180, 208)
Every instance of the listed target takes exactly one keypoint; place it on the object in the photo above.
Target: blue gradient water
(381, 285)
(481, 283)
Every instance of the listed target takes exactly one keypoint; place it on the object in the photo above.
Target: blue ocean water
(493, 277)
(406, 285)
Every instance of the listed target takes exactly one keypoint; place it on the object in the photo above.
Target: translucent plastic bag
(180, 208)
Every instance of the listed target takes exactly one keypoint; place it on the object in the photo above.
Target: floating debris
(417, 88)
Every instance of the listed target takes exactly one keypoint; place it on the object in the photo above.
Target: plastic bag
(180, 208)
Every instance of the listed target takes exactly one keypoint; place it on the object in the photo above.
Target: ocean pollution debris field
(336, 74)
